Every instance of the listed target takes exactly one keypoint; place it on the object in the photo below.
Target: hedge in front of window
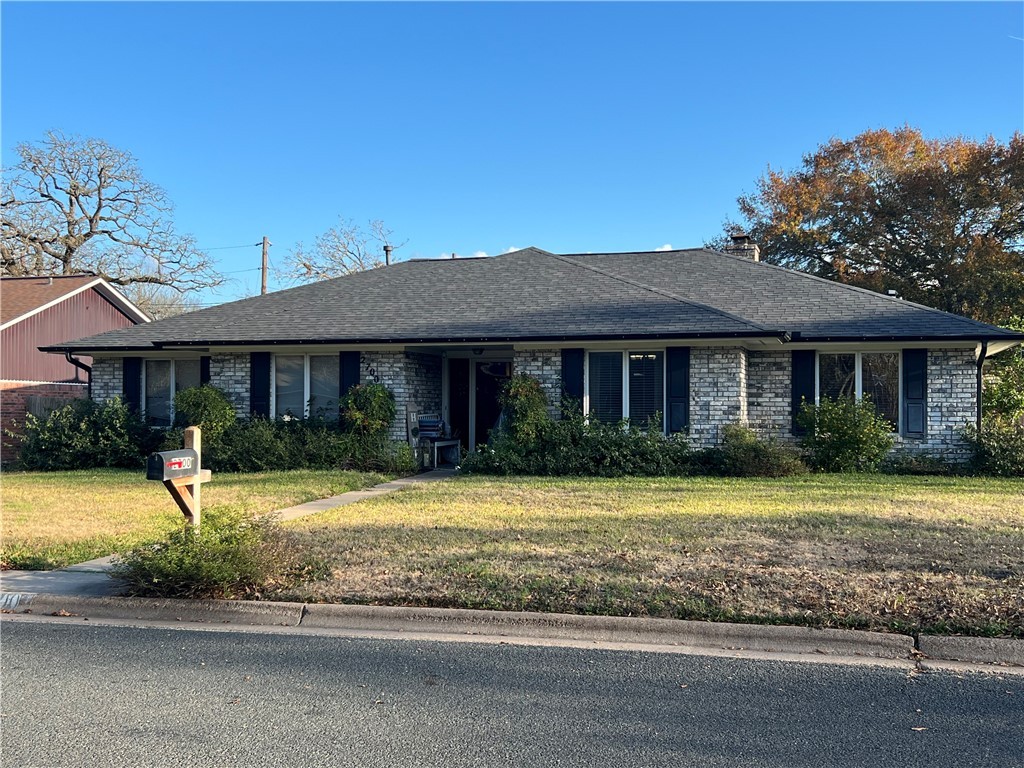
(844, 435)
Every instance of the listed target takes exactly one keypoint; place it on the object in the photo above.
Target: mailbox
(168, 465)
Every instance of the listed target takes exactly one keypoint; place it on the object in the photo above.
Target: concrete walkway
(91, 579)
(344, 499)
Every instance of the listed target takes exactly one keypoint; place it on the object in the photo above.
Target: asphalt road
(80, 695)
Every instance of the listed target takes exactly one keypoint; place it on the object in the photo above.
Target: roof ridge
(660, 292)
(857, 288)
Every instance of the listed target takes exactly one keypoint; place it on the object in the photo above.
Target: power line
(231, 247)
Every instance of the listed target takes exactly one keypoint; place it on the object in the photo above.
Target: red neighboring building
(42, 311)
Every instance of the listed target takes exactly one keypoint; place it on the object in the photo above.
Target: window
(306, 385)
(163, 380)
(856, 374)
(636, 396)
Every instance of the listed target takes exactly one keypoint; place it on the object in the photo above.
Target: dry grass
(882, 552)
(53, 519)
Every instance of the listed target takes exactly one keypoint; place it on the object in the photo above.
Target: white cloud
(665, 247)
(479, 254)
(512, 249)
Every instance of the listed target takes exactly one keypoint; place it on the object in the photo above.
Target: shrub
(999, 447)
(844, 435)
(526, 407)
(205, 407)
(231, 555)
(574, 446)
(743, 454)
(368, 409)
(84, 434)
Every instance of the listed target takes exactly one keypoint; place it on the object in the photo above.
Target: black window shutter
(915, 392)
(677, 361)
(802, 384)
(259, 384)
(131, 383)
(572, 376)
(204, 369)
(349, 377)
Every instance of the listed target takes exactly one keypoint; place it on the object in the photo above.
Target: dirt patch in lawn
(879, 552)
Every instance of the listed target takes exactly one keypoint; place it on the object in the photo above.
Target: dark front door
(458, 399)
(490, 378)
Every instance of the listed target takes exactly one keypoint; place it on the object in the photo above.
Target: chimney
(387, 255)
(744, 247)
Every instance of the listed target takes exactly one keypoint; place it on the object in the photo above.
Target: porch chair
(432, 431)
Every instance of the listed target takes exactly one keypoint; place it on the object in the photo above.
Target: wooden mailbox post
(182, 474)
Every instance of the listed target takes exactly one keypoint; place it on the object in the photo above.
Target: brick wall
(545, 365)
(107, 378)
(952, 404)
(769, 393)
(230, 373)
(718, 392)
(15, 397)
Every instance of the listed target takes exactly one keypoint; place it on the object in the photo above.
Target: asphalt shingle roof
(535, 295)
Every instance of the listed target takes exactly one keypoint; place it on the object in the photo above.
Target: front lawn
(53, 519)
(879, 552)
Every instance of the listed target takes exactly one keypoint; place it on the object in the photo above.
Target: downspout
(981, 365)
(82, 367)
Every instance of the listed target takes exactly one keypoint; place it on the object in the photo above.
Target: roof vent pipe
(387, 255)
(743, 246)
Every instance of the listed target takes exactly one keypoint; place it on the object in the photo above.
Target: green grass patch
(884, 552)
(53, 519)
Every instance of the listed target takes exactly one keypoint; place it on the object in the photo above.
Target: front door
(490, 378)
(473, 389)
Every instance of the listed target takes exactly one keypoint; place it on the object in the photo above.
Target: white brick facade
(545, 365)
(727, 385)
(107, 378)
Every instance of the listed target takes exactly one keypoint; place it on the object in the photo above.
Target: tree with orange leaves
(941, 221)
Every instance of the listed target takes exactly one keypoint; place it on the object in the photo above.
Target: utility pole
(266, 254)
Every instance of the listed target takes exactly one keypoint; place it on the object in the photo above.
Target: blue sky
(482, 127)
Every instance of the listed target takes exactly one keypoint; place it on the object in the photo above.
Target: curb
(683, 635)
(985, 650)
(611, 629)
(154, 609)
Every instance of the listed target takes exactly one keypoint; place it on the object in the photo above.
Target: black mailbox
(168, 465)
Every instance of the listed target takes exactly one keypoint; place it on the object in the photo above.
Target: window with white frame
(306, 385)
(856, 374)
(625, 385)
(163, 380)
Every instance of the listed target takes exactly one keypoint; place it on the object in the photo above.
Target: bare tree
(72, 205)
(159, 301)
(341, 250)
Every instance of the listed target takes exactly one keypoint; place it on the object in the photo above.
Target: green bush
(573, 446)
(844, 435)
(205, 407)
(526, 407)
(368, 410)
(1004, 379)
(999, 447)
(743, 454)
(231, 555)
(84, 435)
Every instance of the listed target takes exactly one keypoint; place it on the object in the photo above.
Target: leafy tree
(1004, 380)
(341, 250)
(72, 205)
(939, 221)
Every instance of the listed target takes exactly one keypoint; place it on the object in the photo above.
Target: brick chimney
(744, 247)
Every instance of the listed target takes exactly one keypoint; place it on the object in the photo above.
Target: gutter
(82, 367)
(981, 380)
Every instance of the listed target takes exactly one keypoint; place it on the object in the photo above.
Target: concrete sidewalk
(92, 579)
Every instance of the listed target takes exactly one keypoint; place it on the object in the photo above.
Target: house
(43, 311)
(703, 337)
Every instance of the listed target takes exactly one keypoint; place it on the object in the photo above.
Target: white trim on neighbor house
(105, 289)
